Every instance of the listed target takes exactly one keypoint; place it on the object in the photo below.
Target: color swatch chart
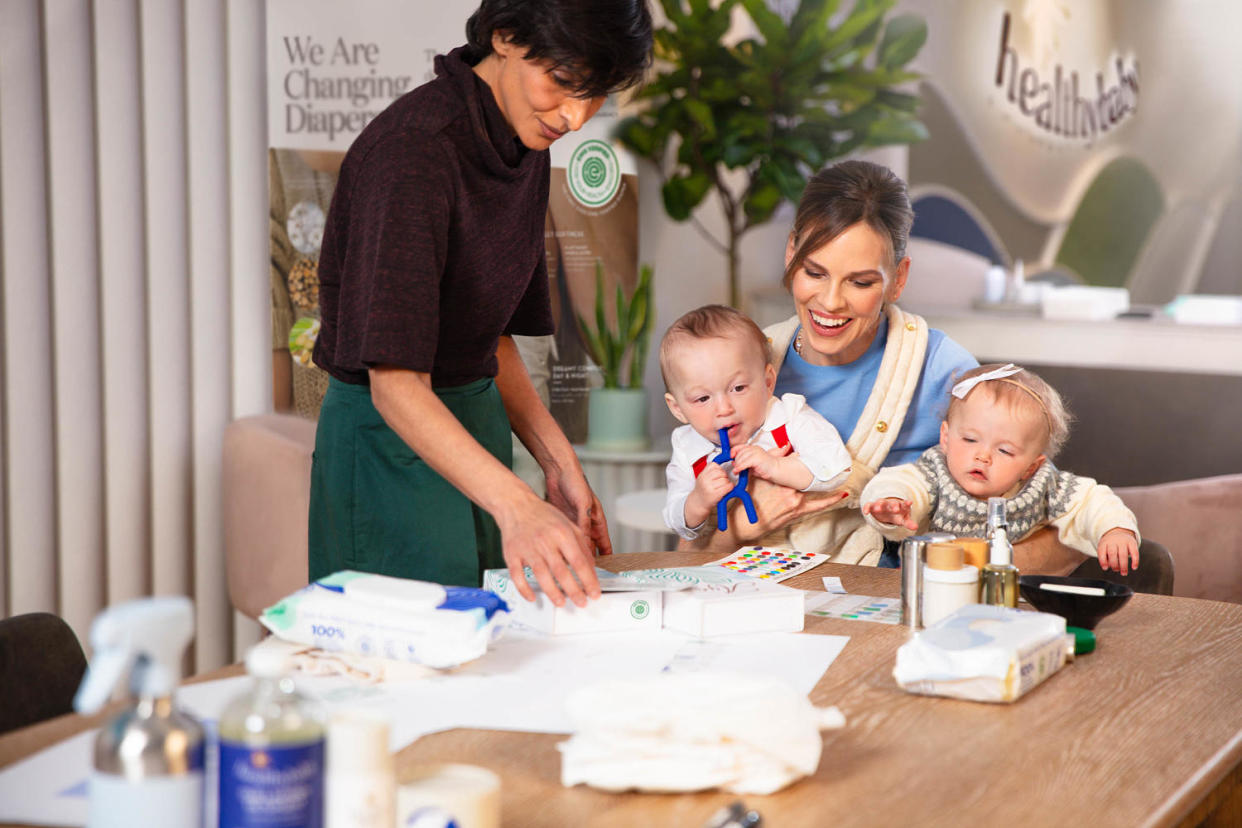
(855, 607)
(774, 563)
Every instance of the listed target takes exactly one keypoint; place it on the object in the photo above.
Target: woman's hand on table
(537, 534)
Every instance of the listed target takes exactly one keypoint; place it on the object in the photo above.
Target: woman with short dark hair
(432, 260)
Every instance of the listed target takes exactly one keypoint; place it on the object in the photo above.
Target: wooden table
(1146, 731)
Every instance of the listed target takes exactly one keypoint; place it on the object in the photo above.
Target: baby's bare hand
(892, 511)
(754, 457)
(1118, 550)
(713, 483)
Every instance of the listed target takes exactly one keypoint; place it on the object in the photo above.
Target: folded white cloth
(693, 731)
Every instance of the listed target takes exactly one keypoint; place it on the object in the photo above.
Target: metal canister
(912, 552)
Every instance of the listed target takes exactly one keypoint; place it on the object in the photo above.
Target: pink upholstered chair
(266, 494)
(1200, 522)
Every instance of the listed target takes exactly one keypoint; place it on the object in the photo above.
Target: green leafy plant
(753, 120)
(608, 345)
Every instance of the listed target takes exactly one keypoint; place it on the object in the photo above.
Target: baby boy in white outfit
(718, 374)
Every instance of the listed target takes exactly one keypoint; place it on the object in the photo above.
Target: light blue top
(840, 392)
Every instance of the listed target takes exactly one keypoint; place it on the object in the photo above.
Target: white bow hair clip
(964, 387)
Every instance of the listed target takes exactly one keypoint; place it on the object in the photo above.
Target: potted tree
(752, 120)
(617, 412)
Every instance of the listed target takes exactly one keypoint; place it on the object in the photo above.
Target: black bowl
(1078, 610)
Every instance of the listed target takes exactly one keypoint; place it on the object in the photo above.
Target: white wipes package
(691, 732)
(396, 618)
(983, 653)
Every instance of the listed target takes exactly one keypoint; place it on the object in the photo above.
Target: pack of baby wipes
(396, 618)
(984, 653)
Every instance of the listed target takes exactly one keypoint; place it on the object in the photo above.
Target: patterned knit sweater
(1080, 509)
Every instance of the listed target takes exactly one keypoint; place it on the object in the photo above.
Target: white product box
(1084, 302)
(745, 605)
(1206, 310)
(612, 611)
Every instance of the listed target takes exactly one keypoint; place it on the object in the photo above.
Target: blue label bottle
(271, 751)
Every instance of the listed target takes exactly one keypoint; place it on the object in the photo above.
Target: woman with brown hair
(876, 372)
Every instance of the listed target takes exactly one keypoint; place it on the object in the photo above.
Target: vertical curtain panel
(133, 300)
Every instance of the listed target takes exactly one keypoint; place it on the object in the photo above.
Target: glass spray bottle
(999, 576)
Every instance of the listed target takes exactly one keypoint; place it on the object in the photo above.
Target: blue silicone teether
(738, 491)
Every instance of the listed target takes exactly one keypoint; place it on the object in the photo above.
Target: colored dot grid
(771, 563)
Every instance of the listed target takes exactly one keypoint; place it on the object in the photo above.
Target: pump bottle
(271, 750)
(999, 577)
(148, 762)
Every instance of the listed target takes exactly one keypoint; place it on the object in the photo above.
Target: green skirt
(375, 506)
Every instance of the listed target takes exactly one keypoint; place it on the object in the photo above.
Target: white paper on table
(816, 599)
(833, 584)
(855, 607)
(799, 659)
(49, 788)
(522, 683)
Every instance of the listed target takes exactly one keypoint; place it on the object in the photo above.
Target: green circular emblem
(640, 609)
(594, 173)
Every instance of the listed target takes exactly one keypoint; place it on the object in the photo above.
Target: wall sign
(1058, 101)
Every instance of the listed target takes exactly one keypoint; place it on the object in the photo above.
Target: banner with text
(332, 67)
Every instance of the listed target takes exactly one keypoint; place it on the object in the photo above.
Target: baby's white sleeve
(818, 445)
(904, 482)
(1093, 510)
(680, 483)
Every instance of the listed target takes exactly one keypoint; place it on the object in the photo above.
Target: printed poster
(332, 67)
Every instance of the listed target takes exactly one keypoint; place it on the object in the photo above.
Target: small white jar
(947, 590)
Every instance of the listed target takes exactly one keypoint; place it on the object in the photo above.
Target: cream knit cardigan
(832, 532)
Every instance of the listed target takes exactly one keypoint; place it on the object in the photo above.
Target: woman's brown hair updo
(840, 196)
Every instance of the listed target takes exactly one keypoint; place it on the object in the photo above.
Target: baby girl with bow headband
(1002, 427)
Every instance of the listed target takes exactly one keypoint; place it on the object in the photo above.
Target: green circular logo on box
(640, 609)
(594, 173)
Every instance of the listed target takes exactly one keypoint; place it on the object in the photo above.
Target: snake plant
(624, 343)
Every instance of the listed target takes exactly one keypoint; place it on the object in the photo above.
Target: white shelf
(1134, 344)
